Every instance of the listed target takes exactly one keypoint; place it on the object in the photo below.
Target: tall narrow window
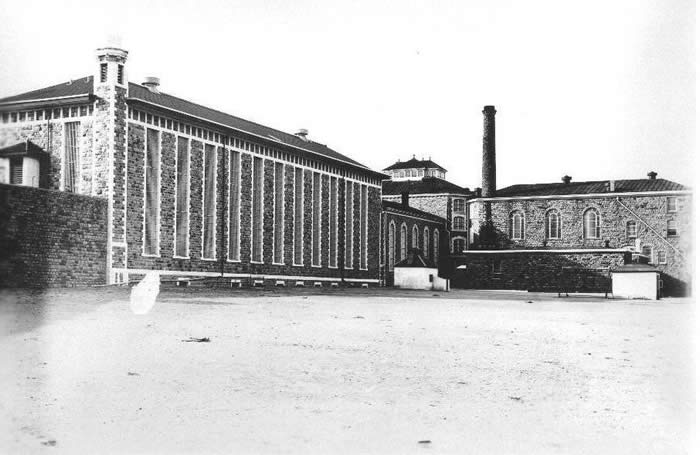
(257, 202)
(182, 198)
(648, 251)
(391, 240)
(631, 229)
(103, 72)
(426, 242)
(414, 237)
(17, 171)
(591, 224)
(661, 257)
(458, 205)
(363, 227)
(436, 245)
(553, 225)
(151, 209)
(209, 204)
(120, 74)
(404, 242)
(516, 225)
(70, 160)
(458, 245)
(234, 245)
(298, 216)
(348, 224)
(333, 223)
(316, 220)
(672, 204)
(459, 223)
(279, 214)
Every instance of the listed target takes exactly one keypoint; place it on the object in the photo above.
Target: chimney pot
(152, 83)
(652, 175)
(302, 133)
(566, 179)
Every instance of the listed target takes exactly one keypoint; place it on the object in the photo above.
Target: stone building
(406, 228)
(539, 236)
(428, 191)
(195, 191)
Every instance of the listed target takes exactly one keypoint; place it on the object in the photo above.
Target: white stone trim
(243, 275)
(583, 196)
(558, 251)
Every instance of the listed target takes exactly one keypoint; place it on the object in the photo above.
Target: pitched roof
(84, 86)
(24, 148)
(413, 163)
(398, 207)
(415, 258)
(594, 187)
(427, 185)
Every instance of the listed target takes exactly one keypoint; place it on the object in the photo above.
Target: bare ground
(344, 372)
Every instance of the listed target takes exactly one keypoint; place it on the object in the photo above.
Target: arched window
(458, 224)
(631, 230)
(458, 244)
(391, 254)
(404, 234)
(436, 245)
(426, 242)
(516, 225)
(553, 226)
(591, 224)
(414, 237)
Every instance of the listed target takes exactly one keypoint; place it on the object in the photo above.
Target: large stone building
(543, 236)
(191, 190)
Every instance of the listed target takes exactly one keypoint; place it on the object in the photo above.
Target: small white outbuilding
(417, 272)
(636, 281)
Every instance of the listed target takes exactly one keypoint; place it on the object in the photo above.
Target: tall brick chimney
(488, 162)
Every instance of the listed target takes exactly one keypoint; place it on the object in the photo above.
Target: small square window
(496, 266)
(661, 257)
(672, 228)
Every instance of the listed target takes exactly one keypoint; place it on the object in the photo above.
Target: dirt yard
(348, 372)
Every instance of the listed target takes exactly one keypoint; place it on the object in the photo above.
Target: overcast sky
(593, 89)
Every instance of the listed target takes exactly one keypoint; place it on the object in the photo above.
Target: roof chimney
(152, 83)
(652, 175)
(566, 179)
(612, 185)
(488, 161)
(404, 199)
(302, 133)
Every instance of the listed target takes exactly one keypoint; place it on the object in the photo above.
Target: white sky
(593, 89)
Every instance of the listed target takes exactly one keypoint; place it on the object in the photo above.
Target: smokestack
(488, 162)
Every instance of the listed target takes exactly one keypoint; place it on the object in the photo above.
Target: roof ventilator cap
(152, 83)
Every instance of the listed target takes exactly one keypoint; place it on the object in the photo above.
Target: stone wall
(195, 263)
(651, 209)
(51, 238)
(537, 271)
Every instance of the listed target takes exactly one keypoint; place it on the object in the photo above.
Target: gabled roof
(402, 209)
(593, 187)
(84, 86)
(413, 163)
(427, 185)
(24, 148)
(415, 259)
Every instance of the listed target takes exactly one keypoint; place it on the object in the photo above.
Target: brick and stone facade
(51, 238)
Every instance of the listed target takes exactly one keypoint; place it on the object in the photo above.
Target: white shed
(417, 272)
(636, 281)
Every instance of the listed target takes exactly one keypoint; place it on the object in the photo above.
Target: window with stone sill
(459, 223)
(672, 228)
(553, 226)
(661, 257)
(631, 230)
(672, 204)
(458, 205)
(516, 225)
(591, 224)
